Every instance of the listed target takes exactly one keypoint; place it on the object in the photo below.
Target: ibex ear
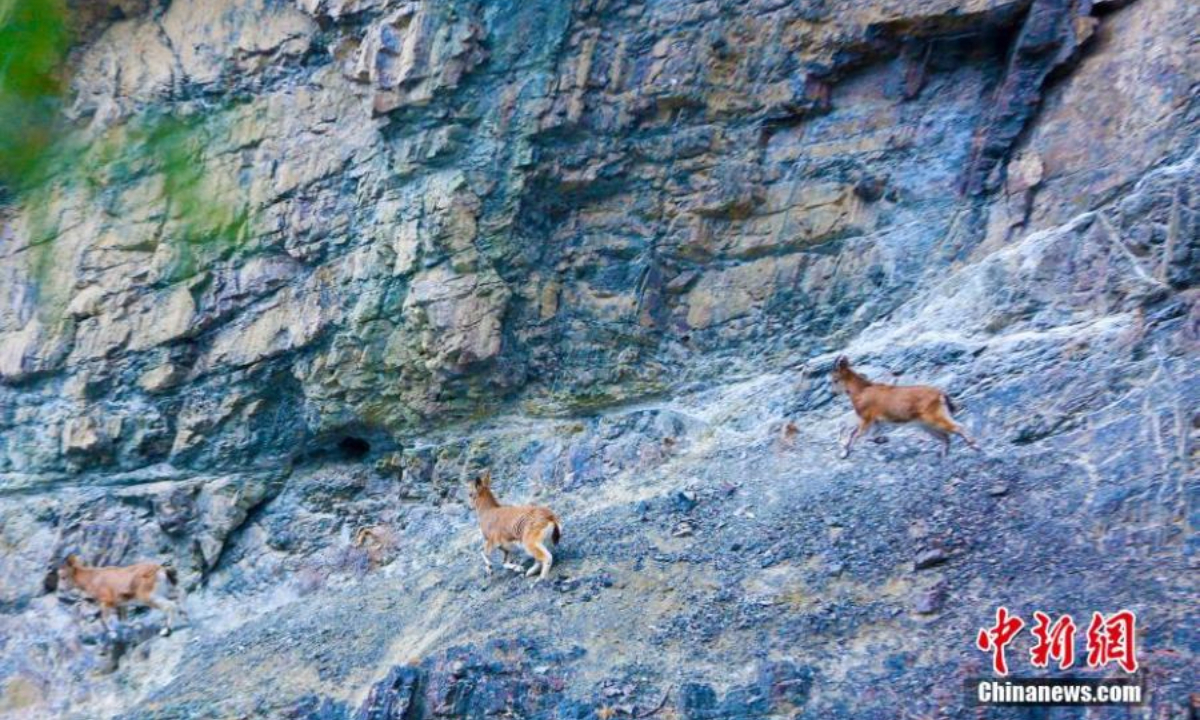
(485, 478)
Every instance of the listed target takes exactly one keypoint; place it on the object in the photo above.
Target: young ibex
(114, 588)
(377, 541)
(922, 404)
(506, 526)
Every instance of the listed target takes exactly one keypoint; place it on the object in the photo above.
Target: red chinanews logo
(1109, 640)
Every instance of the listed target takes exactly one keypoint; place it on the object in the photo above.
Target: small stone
(998, 489)
(83, 436)
(160, 378)
(680, 283)
(929, 558)
(930, 601)
(684, 500)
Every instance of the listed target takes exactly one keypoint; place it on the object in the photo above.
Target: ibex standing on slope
(507, 526)
(922, 404)
(116, 587)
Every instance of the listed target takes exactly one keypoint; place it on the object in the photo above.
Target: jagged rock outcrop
(275, 272)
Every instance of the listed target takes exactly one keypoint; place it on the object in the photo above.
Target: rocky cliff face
(275, 272)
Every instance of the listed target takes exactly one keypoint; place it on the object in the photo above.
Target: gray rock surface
(276, 272)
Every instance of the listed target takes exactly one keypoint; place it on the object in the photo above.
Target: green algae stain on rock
(205, 222)
(34, 38)
(64, 177)
(159, 170)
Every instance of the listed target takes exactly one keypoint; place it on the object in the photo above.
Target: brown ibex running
(114, 588)
(508, 526)
(927, 406)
